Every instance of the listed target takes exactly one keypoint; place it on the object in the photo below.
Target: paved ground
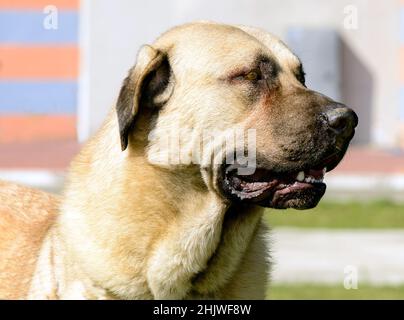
(364, 161)
(316, 255)
(44, 155)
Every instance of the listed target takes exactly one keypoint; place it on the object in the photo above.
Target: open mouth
(300, 189)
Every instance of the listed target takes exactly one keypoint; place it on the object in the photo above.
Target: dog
(137, 221)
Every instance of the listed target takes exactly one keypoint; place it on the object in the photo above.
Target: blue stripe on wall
(27, 27)
(38, 97)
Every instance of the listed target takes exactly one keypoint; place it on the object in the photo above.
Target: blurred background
(62, 63)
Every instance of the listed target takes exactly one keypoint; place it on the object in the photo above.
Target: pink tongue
(316, 174)
(254, 186)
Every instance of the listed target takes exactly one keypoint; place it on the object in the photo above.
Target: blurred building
(62, 64)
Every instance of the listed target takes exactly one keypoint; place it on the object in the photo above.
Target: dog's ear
(148, 83)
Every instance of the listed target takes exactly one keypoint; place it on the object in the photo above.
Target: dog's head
(233, 102)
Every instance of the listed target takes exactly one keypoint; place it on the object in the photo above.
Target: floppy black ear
(144, 82)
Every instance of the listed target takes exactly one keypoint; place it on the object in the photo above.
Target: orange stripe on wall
(39, 4)
(37, 128)
(38, 62)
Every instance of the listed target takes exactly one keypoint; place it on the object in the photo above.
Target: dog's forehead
(219, 47)
(283, 54)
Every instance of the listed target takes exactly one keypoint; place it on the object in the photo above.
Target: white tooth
(300, 176)
(324, 171)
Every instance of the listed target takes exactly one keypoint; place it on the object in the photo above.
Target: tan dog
(134, 223)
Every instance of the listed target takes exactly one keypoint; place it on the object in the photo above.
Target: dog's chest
(238, 232)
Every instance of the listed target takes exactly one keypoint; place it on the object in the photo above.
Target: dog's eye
(253, 75)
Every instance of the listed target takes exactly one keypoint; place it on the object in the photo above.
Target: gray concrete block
(319, 51)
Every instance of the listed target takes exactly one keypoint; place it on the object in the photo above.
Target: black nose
(341, 120)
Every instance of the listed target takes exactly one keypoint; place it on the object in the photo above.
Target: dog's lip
(332, 160)
(268, 187)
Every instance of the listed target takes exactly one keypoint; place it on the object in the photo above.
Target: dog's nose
(342, 120)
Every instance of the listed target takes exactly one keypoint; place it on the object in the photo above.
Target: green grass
(327, 292)
(353, 215)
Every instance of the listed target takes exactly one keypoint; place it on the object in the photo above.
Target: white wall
(112, 32)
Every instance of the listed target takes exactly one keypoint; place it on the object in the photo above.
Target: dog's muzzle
(302, 187)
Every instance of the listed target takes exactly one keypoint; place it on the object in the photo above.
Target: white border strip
(53, 180)
(375, 182)
(376, 255)
(41, 179)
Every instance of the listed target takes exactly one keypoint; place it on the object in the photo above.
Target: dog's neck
(129, 230)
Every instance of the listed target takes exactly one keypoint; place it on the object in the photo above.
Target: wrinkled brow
(256, 62)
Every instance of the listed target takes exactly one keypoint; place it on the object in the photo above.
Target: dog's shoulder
(21, 206)
(25, 216)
